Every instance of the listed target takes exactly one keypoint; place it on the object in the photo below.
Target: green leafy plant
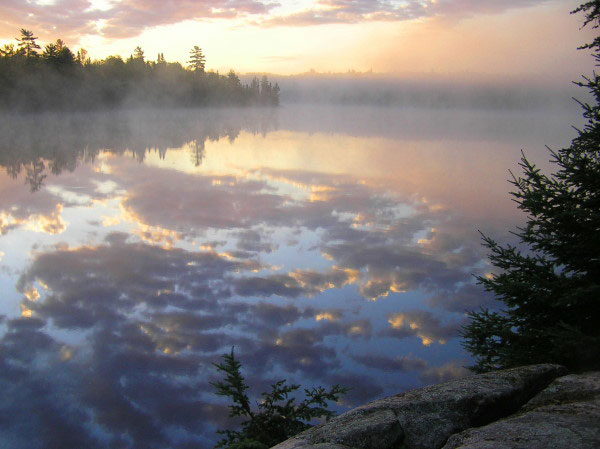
(551, 291)
(278, 417)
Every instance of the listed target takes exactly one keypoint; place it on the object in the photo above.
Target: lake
(327, 245)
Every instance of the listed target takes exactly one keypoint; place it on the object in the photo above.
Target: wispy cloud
(421, 324)
(355, 11)
(70, 18)
(128, 18)
(123, 18)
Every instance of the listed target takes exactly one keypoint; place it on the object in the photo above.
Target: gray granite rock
(567, 389)
(565, 415)
(425, 418)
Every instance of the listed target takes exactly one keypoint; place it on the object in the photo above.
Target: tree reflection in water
(145, 244)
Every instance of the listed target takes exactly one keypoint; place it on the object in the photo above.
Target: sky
(518, 39)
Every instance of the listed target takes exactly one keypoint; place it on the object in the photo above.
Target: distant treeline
(423, 91)
(55, 78)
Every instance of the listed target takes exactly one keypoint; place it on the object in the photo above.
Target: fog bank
(422, 91)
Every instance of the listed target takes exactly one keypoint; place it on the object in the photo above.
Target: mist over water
(328, 244)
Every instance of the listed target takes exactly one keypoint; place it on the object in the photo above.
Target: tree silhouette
(7, 50)
(138, 53)
(233, 79)
(35, 174)
(551, 290)
(50, 52)
(58, 54)
(198, 151)
(68, 81)
(278, 417)
(82, 57)
(27, 43)
(197, 60)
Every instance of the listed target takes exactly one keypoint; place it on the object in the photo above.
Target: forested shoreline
(56, 78)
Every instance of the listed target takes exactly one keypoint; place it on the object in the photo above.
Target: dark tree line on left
(56, 78)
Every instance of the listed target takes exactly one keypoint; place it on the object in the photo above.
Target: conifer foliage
(279, 416)
(550, 289)
(61, 80)
(197, 60)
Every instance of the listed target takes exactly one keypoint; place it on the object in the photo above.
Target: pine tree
(551, 289)
(278, 418)
(82, 57)
(7, 50)
(28, 43)
(138, 54)
(197, 60)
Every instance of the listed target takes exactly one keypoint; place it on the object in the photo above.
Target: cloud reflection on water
(322, 258)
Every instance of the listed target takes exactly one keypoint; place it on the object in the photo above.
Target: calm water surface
(327, 245)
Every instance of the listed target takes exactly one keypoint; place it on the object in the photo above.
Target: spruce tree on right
(550, 282)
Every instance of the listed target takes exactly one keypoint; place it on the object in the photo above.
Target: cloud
(471, 7)
(306, 358)
(395, 268)
(353, 11)
(421, 324)
(370, 245)
(19, 209)
(329, 315)
(395, 364)
(362, 388)
(296, 283)
(464, 299)
(253, 241)
(303, 353)
(278, 284)
(37, 392)
(71, 19)
(129, 17)
(147, 322)
(444, 373)
(235, 204)
(357, 11)
(360, 231)
(266, 319)
(302, 350)
(125, 18)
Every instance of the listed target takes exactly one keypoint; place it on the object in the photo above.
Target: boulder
(563, 416)
(425, 418)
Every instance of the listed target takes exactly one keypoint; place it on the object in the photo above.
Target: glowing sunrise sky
(521, 39)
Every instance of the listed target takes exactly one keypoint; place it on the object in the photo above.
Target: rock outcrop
(527, 407)
(565, 415)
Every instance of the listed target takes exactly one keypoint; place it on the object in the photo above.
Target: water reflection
(53, 143)
(137, 248)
